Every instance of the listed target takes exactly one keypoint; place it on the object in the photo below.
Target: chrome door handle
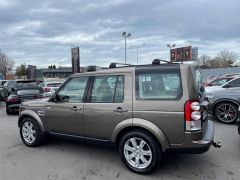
(75, 108)
(120, 110)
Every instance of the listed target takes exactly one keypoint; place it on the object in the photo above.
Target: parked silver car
(225, 101)
(144, 110)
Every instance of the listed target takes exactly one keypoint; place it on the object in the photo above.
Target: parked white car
(50, 87)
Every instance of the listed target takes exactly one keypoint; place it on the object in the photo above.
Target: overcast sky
(41, 32)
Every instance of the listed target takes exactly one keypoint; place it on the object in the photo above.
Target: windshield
(7, 83)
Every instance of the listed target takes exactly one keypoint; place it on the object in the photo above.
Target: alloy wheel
(137, 153)
(226, 113)
(28, 132)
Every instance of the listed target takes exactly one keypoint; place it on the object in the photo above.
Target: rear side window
(158, 86)
(108, 89)
(234, 83)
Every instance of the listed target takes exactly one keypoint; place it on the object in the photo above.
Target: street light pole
(170, 47)
(125, 35)
(137, 50)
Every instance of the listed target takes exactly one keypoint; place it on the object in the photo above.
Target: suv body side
(163, 118)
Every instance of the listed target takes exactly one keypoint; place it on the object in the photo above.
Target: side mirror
(13, 89)
(202, 89)
(210, 84)
(226, 86)
(53, 98)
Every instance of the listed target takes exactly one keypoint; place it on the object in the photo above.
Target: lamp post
(1, 36)
(126, 35)
(138, 48)
(170, 47)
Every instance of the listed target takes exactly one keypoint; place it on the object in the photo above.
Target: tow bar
(216, 144)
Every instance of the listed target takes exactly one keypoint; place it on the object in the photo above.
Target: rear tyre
(226, 112)
(139, 151)
(30, 132)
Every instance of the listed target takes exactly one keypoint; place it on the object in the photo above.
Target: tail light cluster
(46, 89)
(12, 98)
(193, 115)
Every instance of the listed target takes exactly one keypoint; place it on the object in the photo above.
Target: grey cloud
(38, 31)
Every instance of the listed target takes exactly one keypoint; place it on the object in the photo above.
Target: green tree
(21, 70)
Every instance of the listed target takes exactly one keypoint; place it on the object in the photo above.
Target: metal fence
(218, 71)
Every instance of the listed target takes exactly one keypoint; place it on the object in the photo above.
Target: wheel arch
(144, 125)
(222, 101)
(33, 115)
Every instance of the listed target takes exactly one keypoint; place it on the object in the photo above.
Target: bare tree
(203, 61)
(226, 58)
(6, 63)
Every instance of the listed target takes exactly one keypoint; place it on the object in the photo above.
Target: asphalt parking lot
(65, 160)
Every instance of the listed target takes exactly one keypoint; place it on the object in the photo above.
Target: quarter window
(107, 89)
(158, 86)
(73, 91)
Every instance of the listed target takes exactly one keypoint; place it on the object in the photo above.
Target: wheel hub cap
(29, 132)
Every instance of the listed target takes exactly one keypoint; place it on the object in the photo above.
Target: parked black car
(20, 95)
(12, 85)
(4, 90)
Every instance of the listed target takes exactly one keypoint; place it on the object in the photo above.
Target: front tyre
(139, 151)
(30, 132)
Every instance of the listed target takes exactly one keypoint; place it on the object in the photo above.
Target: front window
(73, 91)
(219, 82)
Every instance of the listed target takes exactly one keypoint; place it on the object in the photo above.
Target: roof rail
(114, 65)
(158, 61)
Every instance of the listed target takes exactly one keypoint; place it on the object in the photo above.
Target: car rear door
(109, 102)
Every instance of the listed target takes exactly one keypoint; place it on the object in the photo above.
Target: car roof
(132, 68)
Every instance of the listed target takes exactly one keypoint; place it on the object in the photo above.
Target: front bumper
(195, 145)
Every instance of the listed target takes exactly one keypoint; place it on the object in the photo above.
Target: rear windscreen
(54, 84)
(28, 91)
(26, 84)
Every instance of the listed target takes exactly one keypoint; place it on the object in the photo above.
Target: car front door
(109, 102)
(65, 115)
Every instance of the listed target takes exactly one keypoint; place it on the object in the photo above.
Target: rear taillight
(192, 115)
(46, 89)
(12, 99)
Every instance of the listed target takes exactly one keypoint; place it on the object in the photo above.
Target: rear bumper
(14, 106)
(199, 146)
(238, 125)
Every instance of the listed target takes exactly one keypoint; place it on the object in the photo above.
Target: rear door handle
(75, 108)
(120, 110)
